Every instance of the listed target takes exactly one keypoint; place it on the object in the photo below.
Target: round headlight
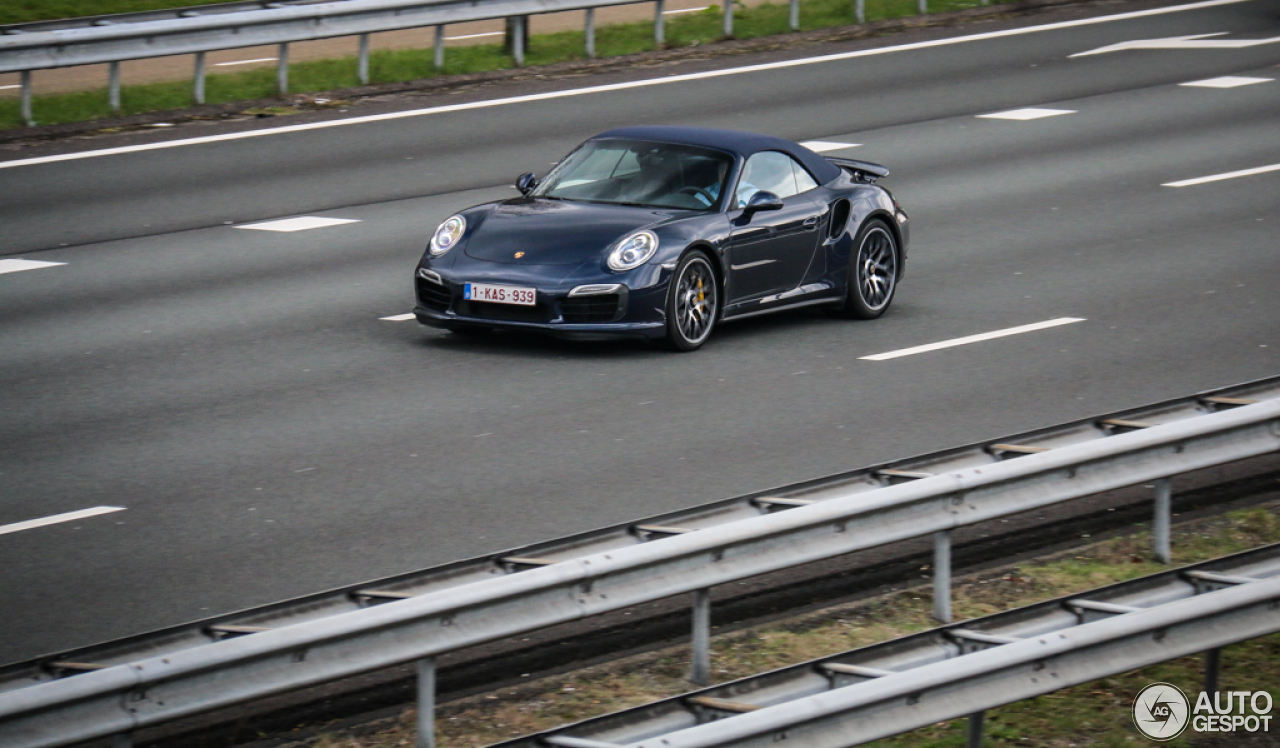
(633, 251)
(447, 235)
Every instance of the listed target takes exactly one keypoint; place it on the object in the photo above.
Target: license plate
(500, 294)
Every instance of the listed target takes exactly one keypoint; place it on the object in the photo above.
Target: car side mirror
(763, 200)
(526, 183)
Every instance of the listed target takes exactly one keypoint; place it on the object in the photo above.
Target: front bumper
(622, 313)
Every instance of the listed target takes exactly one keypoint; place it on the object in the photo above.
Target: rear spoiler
(863, 171)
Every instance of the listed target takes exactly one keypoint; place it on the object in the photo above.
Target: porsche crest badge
(519, 255)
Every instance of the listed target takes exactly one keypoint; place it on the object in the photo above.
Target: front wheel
(873, 272)
(691, 303)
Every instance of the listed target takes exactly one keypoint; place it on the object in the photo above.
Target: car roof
(744, 144)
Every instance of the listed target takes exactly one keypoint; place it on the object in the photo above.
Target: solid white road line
(972, 339)
(1227, 81)
(244, 62)
(684, 10)
(301, 223)
(1022, 115)
(474, 36)
(400, 317)
(16, 266)
(618, 86)
(1220, 177)
(822, 146)
(58, 519)
(7, 88)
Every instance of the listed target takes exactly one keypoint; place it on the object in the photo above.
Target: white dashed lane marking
(16, 266)
(301, 223)
(31, 524)
(400, 317)
(1220, 177)
(1227, 81)
(1022, 115)
(822, 146)
(972, 339)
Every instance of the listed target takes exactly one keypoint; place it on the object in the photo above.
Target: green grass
(395, 66)
(25, 11)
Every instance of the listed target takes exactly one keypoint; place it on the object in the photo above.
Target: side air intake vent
(839, 219)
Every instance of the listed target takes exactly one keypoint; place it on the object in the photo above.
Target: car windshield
(628, 172)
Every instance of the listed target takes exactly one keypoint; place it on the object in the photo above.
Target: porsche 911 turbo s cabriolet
(665, 232)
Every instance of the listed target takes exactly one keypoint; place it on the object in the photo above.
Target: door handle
(810, 222)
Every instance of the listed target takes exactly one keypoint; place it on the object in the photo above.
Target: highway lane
(269, 435)
(154, 192)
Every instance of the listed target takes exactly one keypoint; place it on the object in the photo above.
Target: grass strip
(399, 66)
(1090, 715)
(26, 11)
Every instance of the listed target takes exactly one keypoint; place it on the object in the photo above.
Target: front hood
(553, 232)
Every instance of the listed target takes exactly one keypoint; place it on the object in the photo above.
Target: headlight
(633, 251)
(447, 235)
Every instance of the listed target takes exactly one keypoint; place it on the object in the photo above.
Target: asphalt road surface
(266, 433)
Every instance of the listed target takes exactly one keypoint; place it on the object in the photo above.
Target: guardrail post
(517, 40)
(942, 576)
(795, 15)
(860, 10)
(1160, 524)
(362, 61)
(25, 104)
(700, 669)
(924, 7)
(282, 70)
(439, 48)
(113, 86)
(590, 31)
(659, 24)
(1212, 664)
(973, 731)
(728, 18)
(426, 703)
(197, 84)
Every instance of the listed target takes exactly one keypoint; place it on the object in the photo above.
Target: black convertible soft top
(742, 143)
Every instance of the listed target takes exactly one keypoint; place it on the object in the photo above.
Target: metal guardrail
(153, 681)
(894, 686)
(198, 30)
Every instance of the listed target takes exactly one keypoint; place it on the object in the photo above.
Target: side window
(804, 182)
(767, 171)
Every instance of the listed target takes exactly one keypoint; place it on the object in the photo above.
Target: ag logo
(1161, 711)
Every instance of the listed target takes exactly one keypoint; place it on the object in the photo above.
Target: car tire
(873, 271)
(692, 303)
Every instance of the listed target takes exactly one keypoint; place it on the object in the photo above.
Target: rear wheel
(873, 272)
(692, 303)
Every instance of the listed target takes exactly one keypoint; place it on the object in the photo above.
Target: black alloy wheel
(873, 271)
(692, 303)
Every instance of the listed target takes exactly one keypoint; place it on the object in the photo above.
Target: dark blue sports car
(664, 232)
